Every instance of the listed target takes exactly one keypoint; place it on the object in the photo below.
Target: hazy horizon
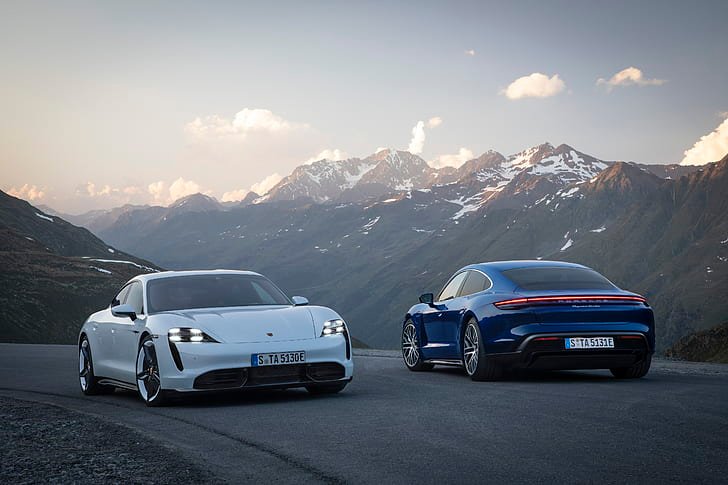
(146, 102)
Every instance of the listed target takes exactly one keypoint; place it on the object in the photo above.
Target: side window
(134, 297)
(476, 282)
(121, 297)
(451, 289)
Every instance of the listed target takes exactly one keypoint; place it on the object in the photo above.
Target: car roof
(169, 274)
(526, 263)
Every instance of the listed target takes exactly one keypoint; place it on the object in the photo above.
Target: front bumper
(538, 351)
(218, 366)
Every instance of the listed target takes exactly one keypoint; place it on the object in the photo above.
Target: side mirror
(124, 311)
(299, 300)
(427, 298)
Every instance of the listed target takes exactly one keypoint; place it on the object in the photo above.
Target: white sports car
(191, 331)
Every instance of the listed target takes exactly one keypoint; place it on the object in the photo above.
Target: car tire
(326, 388)
(640, 369)
(88, 381)
(149, 385)
(411, 349)
(475, 360)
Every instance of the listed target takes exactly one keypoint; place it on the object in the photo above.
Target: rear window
(558, 278)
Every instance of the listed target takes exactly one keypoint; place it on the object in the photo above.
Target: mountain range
(367, 236)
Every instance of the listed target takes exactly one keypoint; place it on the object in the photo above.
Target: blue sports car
(490, 317)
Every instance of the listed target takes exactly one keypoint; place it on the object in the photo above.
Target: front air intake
(222, 379)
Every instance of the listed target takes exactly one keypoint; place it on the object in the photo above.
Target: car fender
(321, 314)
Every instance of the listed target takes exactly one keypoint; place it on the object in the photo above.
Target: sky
(105, 103)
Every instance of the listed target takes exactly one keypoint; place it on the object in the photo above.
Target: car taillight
(568, 300)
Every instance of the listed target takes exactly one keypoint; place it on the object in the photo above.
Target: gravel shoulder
(41, 443)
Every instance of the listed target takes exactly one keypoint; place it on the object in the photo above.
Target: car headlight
(189, 335)
(333, 327)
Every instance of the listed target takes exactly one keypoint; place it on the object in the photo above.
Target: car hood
(245, 325)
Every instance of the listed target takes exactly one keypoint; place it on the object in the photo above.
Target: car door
(125, 335)
(103, 329)
(442, 319)
(128, 331)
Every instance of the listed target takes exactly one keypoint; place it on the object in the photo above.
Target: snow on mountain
(520, 179)
(517, 180)
(398, 170)
(326, 180)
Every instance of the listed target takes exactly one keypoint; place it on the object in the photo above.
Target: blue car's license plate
(589, 342)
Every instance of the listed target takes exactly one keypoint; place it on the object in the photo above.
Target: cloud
(434, 122)
(454, 159)
(249, 145)
(181, 188)
(108, 196)
(27, 192)
(132, 190)
(470, 52)
(629, 77)
(328, 154)
(417, 143)
(158, 192)
(262, 187)
(534, 85)
(245, 122)
(161, 194)
(92, 191)
(235, 195)
(710, 148)
(418, 138)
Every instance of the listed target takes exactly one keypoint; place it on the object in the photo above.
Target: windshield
(210, 291)
(558, 278)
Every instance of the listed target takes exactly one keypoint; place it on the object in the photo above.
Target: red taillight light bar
(569, 300)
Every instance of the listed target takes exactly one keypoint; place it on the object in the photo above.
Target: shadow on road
(544, 376)
(234, 398)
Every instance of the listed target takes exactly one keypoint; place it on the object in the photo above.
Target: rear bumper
(534, 353)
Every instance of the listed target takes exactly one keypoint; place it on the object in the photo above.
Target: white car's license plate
(278, 358)
(589, 342)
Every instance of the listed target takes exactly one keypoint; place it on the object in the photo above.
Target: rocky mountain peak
(624, 177)
(195, 203)
(489, 160)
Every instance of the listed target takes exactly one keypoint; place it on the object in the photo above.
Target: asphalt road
(394, 426)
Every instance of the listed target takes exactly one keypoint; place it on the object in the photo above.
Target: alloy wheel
(84, 365)
(409, 346)
(470, 349)
(148, 380)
